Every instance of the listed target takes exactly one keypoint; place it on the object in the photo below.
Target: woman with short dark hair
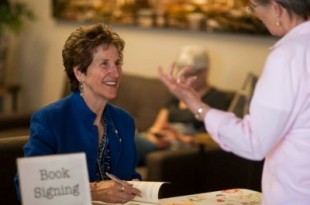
(85, 121)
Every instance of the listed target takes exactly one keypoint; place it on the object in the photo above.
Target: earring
(81, 88)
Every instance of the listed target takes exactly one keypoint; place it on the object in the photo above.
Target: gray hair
(193, 56)
(299, 8)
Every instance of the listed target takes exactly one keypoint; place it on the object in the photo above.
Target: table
(224, 197)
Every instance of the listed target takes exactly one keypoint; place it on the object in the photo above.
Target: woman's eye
(119, 63)
(105, 64)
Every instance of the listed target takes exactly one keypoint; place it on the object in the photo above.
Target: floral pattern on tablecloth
(224, 197)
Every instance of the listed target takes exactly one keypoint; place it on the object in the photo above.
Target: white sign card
(54, 180)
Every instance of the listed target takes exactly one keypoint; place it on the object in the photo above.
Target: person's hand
(180, 86)
(159, 141)
(170, 133)
(186, 139)
(113, 192)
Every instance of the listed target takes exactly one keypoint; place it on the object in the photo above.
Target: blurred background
(154, 31)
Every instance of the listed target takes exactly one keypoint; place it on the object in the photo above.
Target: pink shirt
(278, 126)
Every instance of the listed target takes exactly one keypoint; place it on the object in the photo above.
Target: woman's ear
(78, 74)
(277, 8)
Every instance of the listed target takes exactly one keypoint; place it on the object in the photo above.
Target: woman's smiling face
(103, 75)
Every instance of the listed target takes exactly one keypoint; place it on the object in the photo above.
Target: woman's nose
(115, 70)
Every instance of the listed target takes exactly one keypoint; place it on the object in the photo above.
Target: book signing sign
(54, 179)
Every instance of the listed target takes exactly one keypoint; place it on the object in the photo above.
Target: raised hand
(180, 86)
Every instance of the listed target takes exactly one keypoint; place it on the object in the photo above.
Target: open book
(149, 193)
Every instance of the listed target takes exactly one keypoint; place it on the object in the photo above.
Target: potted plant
(11, 20)
(13, 15)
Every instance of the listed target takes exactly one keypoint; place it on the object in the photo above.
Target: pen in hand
(115, 178)
(119, 181)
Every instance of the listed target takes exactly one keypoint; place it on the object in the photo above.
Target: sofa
(142, 97)
(202, 168)
(14, 124)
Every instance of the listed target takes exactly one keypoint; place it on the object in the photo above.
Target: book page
(149, 191)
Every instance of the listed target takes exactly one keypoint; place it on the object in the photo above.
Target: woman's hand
(186, 139)
(159, 140)
(113, 192)
(180, 86)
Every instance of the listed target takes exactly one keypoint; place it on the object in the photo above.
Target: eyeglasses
(193, 73)
(251, 7)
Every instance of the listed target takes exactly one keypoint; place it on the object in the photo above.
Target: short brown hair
(79, 47)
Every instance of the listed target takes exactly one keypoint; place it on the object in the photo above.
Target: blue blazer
(66, 126)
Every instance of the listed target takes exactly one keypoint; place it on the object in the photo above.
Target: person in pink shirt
(277, 127)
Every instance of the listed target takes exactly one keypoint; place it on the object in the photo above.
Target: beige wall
(35, 55)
